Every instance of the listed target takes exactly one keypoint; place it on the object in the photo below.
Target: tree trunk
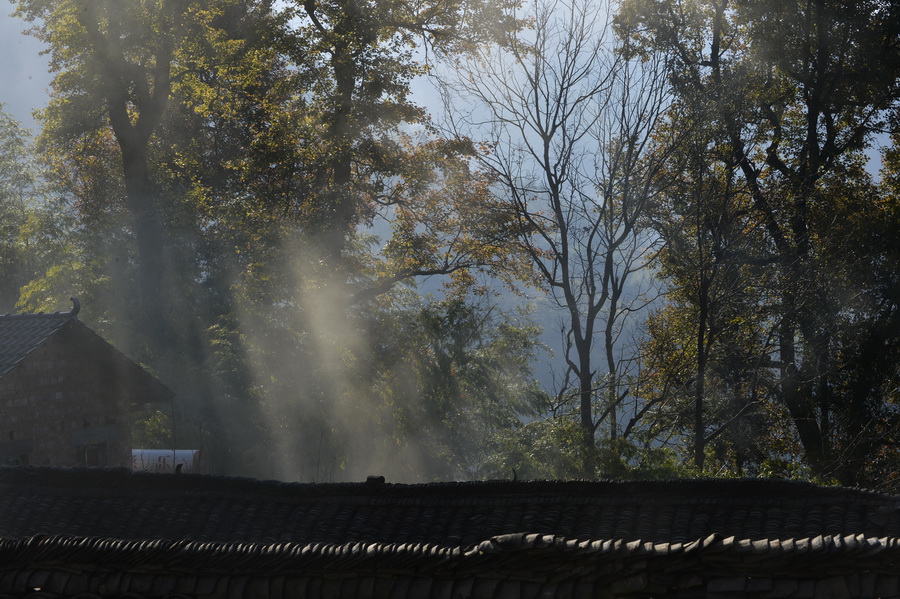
(797, 395)
(340, 209)
(136, 97)
(149, 234)
(586, 394)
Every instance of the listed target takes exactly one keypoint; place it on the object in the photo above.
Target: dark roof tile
(124, 505)
(21, 334)
(199, 535)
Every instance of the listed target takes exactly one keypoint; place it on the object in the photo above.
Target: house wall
(58, 407)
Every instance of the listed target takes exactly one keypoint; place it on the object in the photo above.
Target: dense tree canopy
(17, 207)
(793, 93)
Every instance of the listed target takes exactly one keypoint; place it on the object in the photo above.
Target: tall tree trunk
(149, 233)
(586, 395)
(796, 392)
(136, 97)
(340, 209)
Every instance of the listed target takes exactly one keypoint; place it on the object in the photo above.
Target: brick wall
(59, 407)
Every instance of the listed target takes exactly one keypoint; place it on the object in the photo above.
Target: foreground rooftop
(112, 531)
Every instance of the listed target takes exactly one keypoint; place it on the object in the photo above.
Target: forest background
(696, 199)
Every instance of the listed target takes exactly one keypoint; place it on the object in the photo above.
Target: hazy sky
(23, 71)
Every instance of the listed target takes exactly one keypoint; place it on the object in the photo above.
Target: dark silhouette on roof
(155, 535)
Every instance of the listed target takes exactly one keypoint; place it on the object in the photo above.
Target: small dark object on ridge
(374, 480)
(178, 468)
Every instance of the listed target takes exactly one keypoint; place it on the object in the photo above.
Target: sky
(23, 70)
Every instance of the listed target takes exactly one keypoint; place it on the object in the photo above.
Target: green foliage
(152, 429)
(372, 155)
(474, 382)
(545, 447)
(785, 97)
(17, 204)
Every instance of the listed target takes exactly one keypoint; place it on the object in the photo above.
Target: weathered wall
(58, 407)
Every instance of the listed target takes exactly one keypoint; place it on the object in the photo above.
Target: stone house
(98, 533)
(66, 395)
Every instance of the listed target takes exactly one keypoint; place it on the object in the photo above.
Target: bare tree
(569, 124)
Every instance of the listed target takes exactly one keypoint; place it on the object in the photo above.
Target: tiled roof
(514, 566)
(20, 334)
(119, 504)
(92, 533)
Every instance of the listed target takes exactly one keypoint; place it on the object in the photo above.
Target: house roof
(125, 505)
(155, 535)
(22, 334)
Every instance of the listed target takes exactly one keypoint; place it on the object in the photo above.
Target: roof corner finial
(76, 307)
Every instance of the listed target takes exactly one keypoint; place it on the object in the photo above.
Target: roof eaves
(512, 558)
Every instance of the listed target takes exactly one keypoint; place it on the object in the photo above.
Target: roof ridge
(23, 315)
(70, 314)
(719, 490)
